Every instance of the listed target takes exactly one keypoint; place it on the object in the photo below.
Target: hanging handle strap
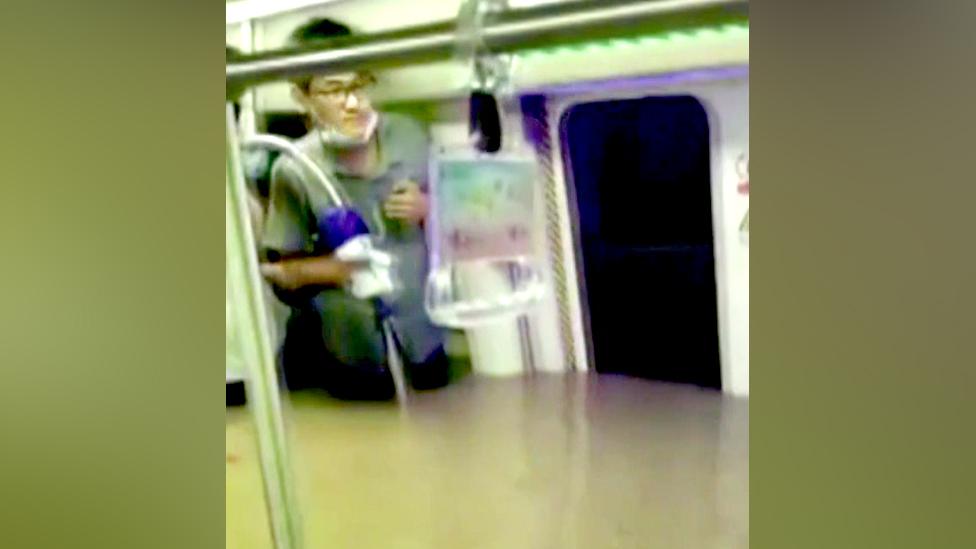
(490, 73)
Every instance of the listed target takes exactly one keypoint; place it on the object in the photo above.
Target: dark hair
(314, 31)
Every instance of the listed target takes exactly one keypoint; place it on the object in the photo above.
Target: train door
(640, 169)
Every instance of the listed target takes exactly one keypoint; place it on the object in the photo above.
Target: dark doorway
(640, 169)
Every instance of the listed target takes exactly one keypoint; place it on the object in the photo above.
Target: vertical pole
(258, 354)
(248, 120)
(395, 362)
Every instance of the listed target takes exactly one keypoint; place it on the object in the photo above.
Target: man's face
(340, 102)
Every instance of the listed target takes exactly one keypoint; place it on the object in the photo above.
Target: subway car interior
(487, 274)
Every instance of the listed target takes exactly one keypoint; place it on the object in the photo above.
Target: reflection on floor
(561, 462)
(247, 520)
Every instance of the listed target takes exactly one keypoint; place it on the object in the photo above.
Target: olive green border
(862, 129)
(861, 273)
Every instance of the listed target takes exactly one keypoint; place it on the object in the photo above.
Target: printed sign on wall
(742, 170)
(483, 207)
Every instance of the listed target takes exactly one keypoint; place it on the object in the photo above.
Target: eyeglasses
(339, 92)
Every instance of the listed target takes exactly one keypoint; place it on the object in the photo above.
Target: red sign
(742, 169)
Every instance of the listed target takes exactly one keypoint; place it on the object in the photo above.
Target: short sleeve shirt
(350, 325)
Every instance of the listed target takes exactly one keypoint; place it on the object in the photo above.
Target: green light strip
(672, 37)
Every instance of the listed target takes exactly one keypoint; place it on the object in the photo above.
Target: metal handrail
(544, 26)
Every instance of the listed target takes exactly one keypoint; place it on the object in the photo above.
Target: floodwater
(550, 461)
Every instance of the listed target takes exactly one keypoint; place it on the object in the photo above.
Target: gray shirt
(350, 325)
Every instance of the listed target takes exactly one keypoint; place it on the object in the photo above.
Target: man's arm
(293, 274)
(286, 240)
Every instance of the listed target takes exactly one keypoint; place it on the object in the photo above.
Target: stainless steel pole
(262, 381)
(511, 31)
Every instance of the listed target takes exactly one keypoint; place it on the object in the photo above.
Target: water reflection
(247, 519)
(542, 462)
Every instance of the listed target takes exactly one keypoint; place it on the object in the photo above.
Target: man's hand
(280, 275)
(407, 202)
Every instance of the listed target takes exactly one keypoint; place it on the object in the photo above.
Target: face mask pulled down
(333, 137)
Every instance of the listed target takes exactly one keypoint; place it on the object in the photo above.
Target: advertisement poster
(483, 207)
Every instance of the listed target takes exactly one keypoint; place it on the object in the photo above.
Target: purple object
(336, 226)
(642, 82)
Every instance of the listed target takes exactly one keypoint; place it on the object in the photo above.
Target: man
(379, 162)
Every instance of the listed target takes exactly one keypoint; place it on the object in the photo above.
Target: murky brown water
(561, 462)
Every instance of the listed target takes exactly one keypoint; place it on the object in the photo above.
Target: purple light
(650, 81)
